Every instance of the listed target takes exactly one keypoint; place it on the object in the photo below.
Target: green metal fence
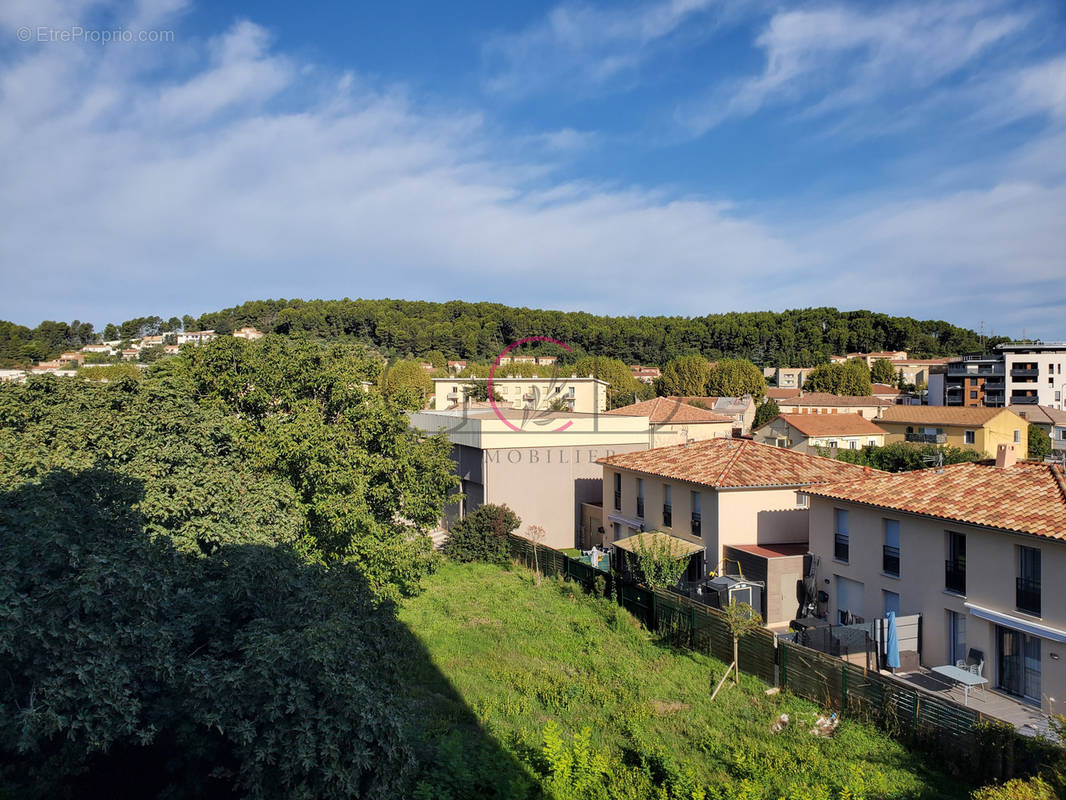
(905, 711)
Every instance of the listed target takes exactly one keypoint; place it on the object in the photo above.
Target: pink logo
(492, 373)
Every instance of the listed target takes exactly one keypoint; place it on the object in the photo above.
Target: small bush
(1017, 789)
(482, 535)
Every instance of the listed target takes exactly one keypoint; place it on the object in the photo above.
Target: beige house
(740, 409)
(582, 395)
(870, 358)
(196, 337)
(791, 377)
(248, 333)
(825, 403)
(672, 421)
(645, 374)
(717, 493)
(806, 433)
(541, 464)
(983, 429)
(977, 550)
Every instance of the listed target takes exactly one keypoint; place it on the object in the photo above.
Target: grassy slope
(520, 655)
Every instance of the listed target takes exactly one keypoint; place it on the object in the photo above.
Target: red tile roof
(1043, 415)
(832, 424)
(940, 415)
(664, 410)
(736, 463)
(782, 394)
(826, 399)
(877, 389)
(1024, 498)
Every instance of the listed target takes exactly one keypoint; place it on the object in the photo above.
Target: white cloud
(110, 209)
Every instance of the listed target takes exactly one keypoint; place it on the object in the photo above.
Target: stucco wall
(991, 569)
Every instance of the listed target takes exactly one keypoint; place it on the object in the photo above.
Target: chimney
(1006, 456)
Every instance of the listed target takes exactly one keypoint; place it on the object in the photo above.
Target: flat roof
(773, 550)
(676, 544)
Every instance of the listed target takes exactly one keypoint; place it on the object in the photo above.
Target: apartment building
(541, 464)
(982, 429)
(196, 337)
(791, 377)
(583, 395)
(866, 406)
(977, 550)
(673, 421)
(715, 493)
(809, 433)
(1016, 374)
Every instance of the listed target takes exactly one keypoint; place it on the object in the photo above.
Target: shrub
(482, 535)
(1017, 789)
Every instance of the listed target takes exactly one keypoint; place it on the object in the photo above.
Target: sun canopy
(679, 547)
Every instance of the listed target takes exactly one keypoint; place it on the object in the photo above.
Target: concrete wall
(869, 412)
(778, 429)
(678, 433)
(781, 576)
(589, 396)
(991, 569)
(546, 485)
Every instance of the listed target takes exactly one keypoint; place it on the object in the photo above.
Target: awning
(632, 523)
(678, 546)
(1008, 621)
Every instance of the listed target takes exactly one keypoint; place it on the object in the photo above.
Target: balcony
(668, 515)
(890, 560)
(841, 547)
(1024, 399)
(1027, 596)
(697, 523)
(926, 438)
(960, 370)
(1024, 373)
(640, 507)
(955, 576)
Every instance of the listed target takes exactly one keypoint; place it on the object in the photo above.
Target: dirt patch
(659, 707)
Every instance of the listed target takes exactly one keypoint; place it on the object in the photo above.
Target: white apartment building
(1016, 374)
(196, 337)
(583, 395)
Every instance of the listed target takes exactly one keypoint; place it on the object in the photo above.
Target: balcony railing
(697, 523)
(1027, 596)
(1024, 373)
(840, 546)
(668, 515)
(640, 507)
(1027, 399)
(927, 438)
(890, 560)
(955, 576)
(617, 500)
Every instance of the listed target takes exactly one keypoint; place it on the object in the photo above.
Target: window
(973, 381)
(891, 602)
(697, 514)
(640, 497)
(1027, 595)
(668, 506)
(973, 395)
(618, 491)
(802, 499)
(890, 549)
(969, 437)
(853, 445)
(955, 566)
(617, 531)
(840, 534)
(1017, 436)
(871, 442)
(956, 637)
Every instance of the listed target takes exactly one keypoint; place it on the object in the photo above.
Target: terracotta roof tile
(1025, 498)
(736, 463)
(775, 393)
(940, 415)
(826, 399)
(832, 424)
(1044, 415)
(663, 410)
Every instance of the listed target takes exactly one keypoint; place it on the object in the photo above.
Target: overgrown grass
(538, 664)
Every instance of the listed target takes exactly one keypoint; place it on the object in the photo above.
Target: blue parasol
(892, 642)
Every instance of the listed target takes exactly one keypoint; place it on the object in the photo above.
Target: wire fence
(965, 739)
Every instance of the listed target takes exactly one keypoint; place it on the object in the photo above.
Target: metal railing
(955, 576)
(927, 438)
(1027, 596)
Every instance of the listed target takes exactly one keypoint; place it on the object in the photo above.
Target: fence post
(784, 666)
(654, 620)
(843, 689)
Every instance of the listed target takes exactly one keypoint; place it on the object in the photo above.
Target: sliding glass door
(1018, 657)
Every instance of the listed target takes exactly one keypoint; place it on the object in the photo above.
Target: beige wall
(736, 516)
(869, 412)
(987, 438)
(676, 433)
(589, 395)
(778, 429)
(991, 569)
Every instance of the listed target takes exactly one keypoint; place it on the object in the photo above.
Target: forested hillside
(457, 329)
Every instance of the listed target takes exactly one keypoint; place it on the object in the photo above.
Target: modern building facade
(1016, 373)
(545, 470)
(977, 550)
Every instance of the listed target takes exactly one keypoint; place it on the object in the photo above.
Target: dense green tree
(903, 456)
(685, 376)
(882, 371)
(735, 377)
(622, 388)
(482, 535)
(478, 391)
(765, 412)
(1039, 442)
(111, 332)
(851, 377)
(407, 383)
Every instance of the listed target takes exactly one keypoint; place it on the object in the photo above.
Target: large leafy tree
(735, 377)
(408, 383)
(882, 371)
(1039, 442)
(249, 673)
(622, 388)
(765, 412)
(851, 377)
(685, 376)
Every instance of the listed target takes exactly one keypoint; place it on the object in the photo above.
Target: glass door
(1018, 657)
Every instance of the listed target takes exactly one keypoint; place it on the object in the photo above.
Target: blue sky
(682, 157)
